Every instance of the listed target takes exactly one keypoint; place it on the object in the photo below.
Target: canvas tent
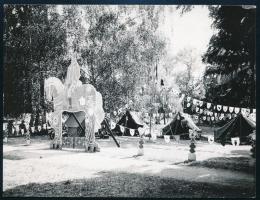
(130, 120)
(241, 127)
(73, 126)
(180, 124)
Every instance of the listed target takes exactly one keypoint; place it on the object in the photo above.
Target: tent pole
(78, 122)
(111, 133)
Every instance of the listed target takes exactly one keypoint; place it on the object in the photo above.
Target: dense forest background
(122, 53)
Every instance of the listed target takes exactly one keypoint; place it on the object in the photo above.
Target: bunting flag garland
(225, 108)
(208, 105)
(237, 110)
(219, 107)
(231, 109)
(210, 113)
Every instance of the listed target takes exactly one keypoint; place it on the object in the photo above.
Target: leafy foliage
(231, 52)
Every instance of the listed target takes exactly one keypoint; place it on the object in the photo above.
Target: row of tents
(241, 126)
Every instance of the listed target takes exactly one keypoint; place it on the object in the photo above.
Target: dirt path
(38, 164)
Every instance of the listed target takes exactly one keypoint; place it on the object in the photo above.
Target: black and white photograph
(124, 100)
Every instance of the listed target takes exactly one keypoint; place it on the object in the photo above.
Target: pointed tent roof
(130, 120)
(241, 127)
(181, 123)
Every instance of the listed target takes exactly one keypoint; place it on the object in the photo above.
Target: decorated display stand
(73, 96)
(192, 155)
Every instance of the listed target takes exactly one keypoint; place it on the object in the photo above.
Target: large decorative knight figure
(74, 96)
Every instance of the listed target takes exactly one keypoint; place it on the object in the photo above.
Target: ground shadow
(111, 184)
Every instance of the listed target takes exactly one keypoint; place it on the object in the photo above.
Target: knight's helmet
(72, 76)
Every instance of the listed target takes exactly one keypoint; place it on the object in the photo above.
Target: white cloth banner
(243, 110)
(113, 125)
(208, 105)
(167, 138)
(119, 111)
(44, 126)
(195, 101)
(122, 129)
(211, 139)
(141, 130)
(197, 109)
(219, 107)
(154, 136)
(132, 132)
(237, 110)
(247, 111)
(225, 108)
(231, 109)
